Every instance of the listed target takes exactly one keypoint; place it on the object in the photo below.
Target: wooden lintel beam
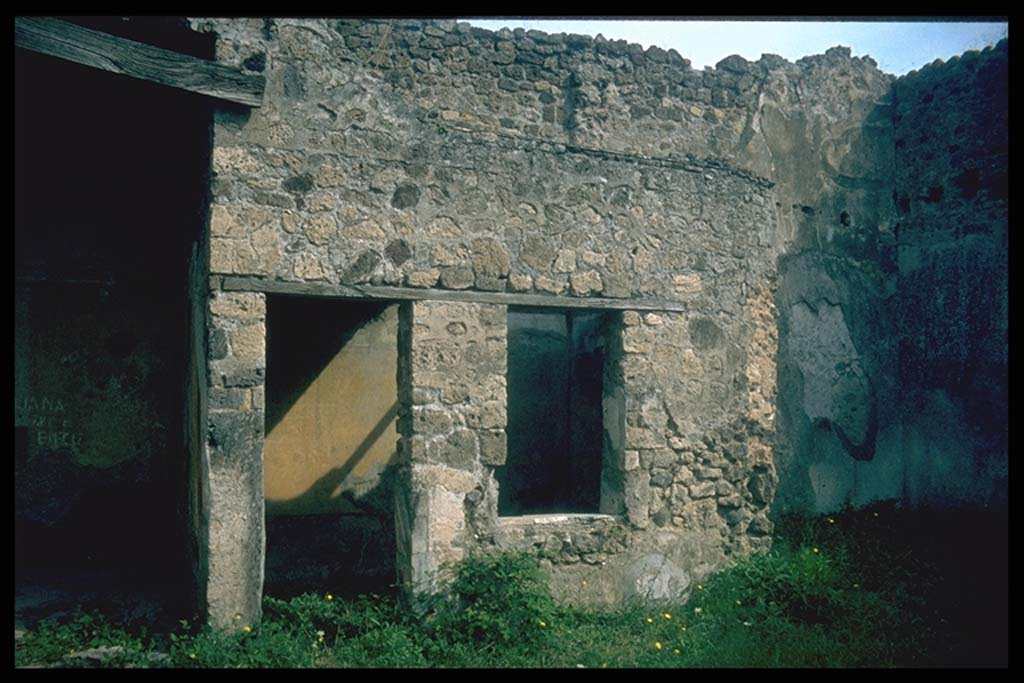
(232, 283)
(118, 55)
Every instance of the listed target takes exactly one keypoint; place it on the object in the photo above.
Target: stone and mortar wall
(353, 171)
(436, 155)
(233, 465)
(452, 366)
(952, 265)
(690, 482)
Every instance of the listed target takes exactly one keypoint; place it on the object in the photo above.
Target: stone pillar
(234, 459)
(452, 417)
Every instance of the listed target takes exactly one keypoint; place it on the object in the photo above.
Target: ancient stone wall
(748, 208)
(452, 423)
(233, 464)
(893, 347)
(952, 264)
(353, 172)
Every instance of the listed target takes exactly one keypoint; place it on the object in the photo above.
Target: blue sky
(898, 47)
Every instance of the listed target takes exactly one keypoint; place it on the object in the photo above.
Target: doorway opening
(331, 408)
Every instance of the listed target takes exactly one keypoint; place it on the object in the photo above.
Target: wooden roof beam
(74, 43)
(234, 283)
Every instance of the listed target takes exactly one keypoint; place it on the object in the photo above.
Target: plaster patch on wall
(836, 392)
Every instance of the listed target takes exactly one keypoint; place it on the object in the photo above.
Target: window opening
(556, 387)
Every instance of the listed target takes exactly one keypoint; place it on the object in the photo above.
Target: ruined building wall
(892, 359)
(352, 173)
(753, 200)
(952, 260)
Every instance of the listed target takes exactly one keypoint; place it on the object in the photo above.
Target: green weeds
(862, 589)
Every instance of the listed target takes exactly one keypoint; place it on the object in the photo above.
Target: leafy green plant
(275, 643)
(497, 601)
(390, 645)
(54, 639)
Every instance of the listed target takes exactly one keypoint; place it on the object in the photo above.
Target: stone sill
(556, 518)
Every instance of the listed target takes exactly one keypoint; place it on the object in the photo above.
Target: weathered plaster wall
(892, 361)
(330, 444)
(952, 263)
(331, 428)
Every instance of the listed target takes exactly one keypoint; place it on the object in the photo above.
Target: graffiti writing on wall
(48, 420)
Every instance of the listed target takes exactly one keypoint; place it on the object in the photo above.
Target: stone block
(520, 282)
(239, 305)
(490, 258)
(248, 343)
(565, 261)
(456, 278)
(309, 267)
(655, 578)
(586, 282)
(492, 447)
(430, 421)
(552, 286)
(423, 278)
(320, 229)
(638, 496)
(702, 489)
(459, 450)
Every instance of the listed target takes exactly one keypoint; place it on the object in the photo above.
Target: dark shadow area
(946, 570)
(352, 551)
(343, 554)
(303, 336)
(110, 194)
(555, 432)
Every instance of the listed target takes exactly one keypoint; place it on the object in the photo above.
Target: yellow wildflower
(667, 615)
(676, 650)
(192, 655)
(247, 629)
(328, 597)
(650, 620)
(739, 602)
(542, 623)
(700, 587)
(814, 550)
(657, 645)
(238, 617)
